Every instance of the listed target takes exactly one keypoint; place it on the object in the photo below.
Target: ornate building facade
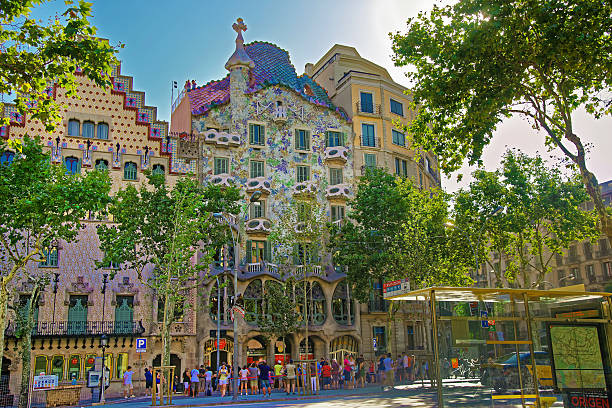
(262, 128)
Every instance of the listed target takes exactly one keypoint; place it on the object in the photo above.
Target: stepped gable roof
(272, 67)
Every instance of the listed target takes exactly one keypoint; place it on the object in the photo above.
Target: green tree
(542, 216)
(163, 229)
(34, 57)
(397, 231)
(40, 204)
(281, 316)
(25, 325)
(476, 62)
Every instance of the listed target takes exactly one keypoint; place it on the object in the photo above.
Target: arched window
(343, 305)
(253, 301)
(102, 131)
(7, 157)
(74, 127)
(221, 293)
(101, 165)
(158, 169)
(130, 171)
(73, 165)
(88, 129)
(315, 299)
(343, 346)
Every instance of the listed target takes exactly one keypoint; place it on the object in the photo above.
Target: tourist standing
(148, 381)
(278, 375)
(208, 374)
(128, 387)
(264, 375)
(388, 363)
(244, 378)
(186, 381)
(224, 373)
(335, 367)
(291, 377)
(326, 373)
(195, 382)
(313, 378)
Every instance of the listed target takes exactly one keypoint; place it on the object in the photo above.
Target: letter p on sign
(141, 345)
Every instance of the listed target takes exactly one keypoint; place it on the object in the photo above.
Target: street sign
(141, 345)
(397, 287)
(485, 322)
(42, 382)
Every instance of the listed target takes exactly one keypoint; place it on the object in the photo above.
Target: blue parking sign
(484, 323)
(141, 345)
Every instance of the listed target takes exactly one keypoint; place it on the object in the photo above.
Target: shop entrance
(226, 352)
(256, 349)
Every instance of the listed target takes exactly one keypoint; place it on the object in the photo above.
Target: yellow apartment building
(378, 106)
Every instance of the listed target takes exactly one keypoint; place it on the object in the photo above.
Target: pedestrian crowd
(298, 377)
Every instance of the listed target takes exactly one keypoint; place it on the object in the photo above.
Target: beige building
(378, 107)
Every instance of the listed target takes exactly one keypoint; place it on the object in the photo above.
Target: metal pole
(55, 283)
(518, 354)
(102, 399)
(236, 340)
(533, 361)
(434, 321)
(218, 319)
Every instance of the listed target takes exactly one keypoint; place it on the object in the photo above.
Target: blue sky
(192, 39)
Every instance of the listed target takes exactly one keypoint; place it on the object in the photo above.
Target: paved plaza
(458, 393)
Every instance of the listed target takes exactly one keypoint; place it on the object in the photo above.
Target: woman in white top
(244, 378)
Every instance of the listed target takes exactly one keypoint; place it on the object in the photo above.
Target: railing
(573, 258)
(315, 270)
(373, 109)
(259, 267)
(378, 305)
(376, 144)
(89, 328)
(178, 99)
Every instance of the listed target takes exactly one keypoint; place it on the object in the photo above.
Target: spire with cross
(239, 57)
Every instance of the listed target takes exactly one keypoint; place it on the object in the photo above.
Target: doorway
(174, 361)
(223, 357)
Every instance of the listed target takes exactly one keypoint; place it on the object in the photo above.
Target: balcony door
(124, 314)
(77, 314)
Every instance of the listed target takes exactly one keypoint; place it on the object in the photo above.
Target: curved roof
(272, 67)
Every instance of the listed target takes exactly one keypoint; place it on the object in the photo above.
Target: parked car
(503, 373)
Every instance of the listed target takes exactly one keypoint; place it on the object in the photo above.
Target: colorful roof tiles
(272, 67)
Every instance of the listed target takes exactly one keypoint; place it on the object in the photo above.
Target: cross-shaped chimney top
(239, 26)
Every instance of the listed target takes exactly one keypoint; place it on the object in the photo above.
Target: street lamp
(570, 277)
(449, 224)
(254, 198)
(55, 286)
(103, 338)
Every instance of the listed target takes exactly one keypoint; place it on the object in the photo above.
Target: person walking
(264, 375)
(128, 387)
(291, 375)
(208, 374)
(253, 378)
(244, 378)
(195, 382)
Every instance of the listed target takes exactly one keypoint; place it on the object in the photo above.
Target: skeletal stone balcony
(258, 184)
(337, 154)
(224, 180)
(261, 225)
(305, 187)
(338, 191)
(221, 138)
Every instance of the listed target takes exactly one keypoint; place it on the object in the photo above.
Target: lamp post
(254, 198)
(495, 211)
(103, 339)
(55, 286)
(218, 318)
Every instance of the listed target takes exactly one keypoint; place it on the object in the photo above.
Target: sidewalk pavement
(184, 401)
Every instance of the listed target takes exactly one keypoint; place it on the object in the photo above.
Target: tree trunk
(592, 188)
(26, 364)
(3, 316)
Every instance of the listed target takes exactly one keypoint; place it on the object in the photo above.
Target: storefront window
(90, 361)
(122, 364)
(74, 367)
(108, 363)
(40, 365)
(57, 367)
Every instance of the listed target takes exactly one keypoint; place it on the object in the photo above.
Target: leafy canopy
(34, 57)
(542, 216)
(479, 61)
(397, 231)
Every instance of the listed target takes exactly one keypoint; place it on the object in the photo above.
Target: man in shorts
(278, 375)
(128, 387)
(264, 376)
(148, 381)
(388, 363)
(291, 376)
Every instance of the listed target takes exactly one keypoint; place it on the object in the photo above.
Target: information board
(43, 382)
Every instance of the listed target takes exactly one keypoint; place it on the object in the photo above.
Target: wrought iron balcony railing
(82, 329)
